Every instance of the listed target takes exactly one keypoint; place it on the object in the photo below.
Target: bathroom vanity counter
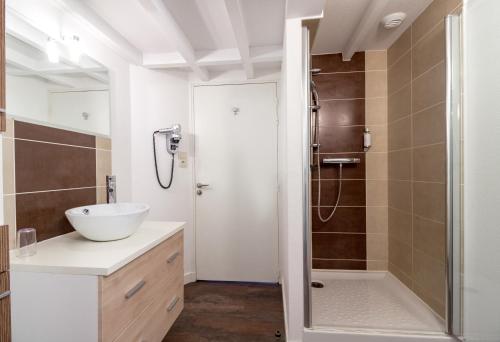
(73, 254)
(78, 290)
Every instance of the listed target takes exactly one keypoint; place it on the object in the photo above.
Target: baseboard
(285, 315)
(189, 277)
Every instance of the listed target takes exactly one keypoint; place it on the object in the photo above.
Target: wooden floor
(227, 312)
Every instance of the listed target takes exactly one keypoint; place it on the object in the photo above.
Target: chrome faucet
(111, 189)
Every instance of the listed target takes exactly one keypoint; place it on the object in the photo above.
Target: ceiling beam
(173, 32)
(371, 16)
(258, 54)
(100, 29)
(237, 19)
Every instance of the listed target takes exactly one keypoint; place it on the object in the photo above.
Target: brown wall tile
(345, 220)
(42, 166)
(429, 237)
(377, 220)
(25, 130)
(376, 192)
(400, 195)
(376, 166)
(429, 274)
(44, 211)
(376, 111)
(429, 200)
(432, 15)
(376, 60)
(429, 51)
(401, 256)
(399, 134)
(341, 139)
(339, 264)
(8, 165)
(339, 246)
(379, 138)
(400, 226)
(342, 113)
(334, 63)
(400, 165)
(340, 86)
(353, 192)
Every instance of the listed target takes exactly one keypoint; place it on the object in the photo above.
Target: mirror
(50, 82)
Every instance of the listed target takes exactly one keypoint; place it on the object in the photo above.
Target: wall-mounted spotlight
(52, 51)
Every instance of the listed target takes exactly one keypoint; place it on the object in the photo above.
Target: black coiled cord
(156, 166)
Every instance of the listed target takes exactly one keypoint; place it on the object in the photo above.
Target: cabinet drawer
(4, 307)
(129, 291)
(4, 248)
(154, 322)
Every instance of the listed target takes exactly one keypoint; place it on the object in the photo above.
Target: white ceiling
(342, 18)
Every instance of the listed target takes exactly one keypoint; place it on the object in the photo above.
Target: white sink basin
(107, 222)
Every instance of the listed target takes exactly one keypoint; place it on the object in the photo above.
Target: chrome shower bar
(341, 160)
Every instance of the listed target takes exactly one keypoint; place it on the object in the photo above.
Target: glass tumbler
(26, 242)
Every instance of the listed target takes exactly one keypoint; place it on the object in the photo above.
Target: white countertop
(73, 254)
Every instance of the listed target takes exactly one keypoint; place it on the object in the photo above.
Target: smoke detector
(393, 20)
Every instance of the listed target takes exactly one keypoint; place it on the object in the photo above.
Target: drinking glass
(26, 242)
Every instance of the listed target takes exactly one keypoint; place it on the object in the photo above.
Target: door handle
(201, 185)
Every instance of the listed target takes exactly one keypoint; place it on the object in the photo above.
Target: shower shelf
(341, 160)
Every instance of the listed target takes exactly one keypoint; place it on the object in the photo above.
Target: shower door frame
(453, 316)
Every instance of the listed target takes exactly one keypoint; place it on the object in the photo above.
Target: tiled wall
(48, 170)
(416, 116)
(352, 97)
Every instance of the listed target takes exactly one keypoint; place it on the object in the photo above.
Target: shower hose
(156, 166)
(322, 219)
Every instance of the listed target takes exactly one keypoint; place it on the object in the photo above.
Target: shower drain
(317, 284)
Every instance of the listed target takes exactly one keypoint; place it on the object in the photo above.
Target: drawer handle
(172, 258)
(4, 294)
(173, 303)
(135, 289)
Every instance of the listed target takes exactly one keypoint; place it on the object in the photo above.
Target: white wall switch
(183, 159)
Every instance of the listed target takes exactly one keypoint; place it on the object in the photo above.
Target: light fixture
(52, 50)
(75, 49)
(393, 20)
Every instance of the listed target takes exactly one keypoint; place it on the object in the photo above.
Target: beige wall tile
(377, 220)
(429, 51)
(101, 195)
(429, 89)
(399, 74)
(376, 165)
(9, 211)
(429, 126)
(429, 237)
(376, 111)
(400, 195)
(429, 274)
(9, 128)
(103, 166)
(429, 200)
(433, 15)
(399, 104)
(8, 166)
(400, 226)
(437, 306)
(377, 247)
(379, 138)
(376, 265)
(376, 192)
(103, 143)
(399, 134)
(376, 60)
(399, 165)
(429, 163)
(400, 256)
(402, 277)
(375, 84)
(400, 47)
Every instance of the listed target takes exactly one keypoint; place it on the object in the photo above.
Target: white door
(236, 169)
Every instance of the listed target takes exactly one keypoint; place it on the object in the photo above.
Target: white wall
(160, 99)
(27, 97)
(481, 167)
(291, 214)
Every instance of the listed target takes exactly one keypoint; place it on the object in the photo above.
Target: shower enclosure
(417, 288)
